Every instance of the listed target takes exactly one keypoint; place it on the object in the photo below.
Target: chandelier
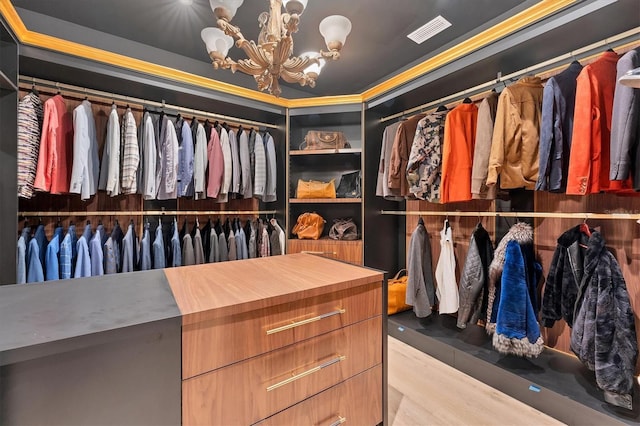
(271, 57)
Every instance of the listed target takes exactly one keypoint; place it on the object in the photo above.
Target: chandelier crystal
(270, 59)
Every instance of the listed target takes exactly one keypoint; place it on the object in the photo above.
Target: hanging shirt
(41, 237)
(223, 195)
(83, 263)
(110, 168)
(272, 171)
(214, 253)
(260, 177)
(128, 262)
(167, 171)
(282, 238)
(235, 162)
(52, 262)
(30, 117)
(222, 247)
(457, 153)
(55, 157)
(252, 157)
(185, 160)
(85, 173)
(149, 158)
(188, 254)
(97, 255)
(200, 163)
(215, 161)
(447, 286)
(130, 155)
(246, 186)
(265, 249)
(252, 242)
(34, 266)
(232, 246)
(145, 249)
(66, 253)
(198, 249)
(176, 253)
(158, 249)
(109, 257)
(21, 261)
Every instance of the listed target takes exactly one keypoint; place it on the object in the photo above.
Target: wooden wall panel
(622, 238)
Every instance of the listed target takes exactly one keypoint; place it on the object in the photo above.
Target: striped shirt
(260, 177)
(130, 154)
(30, 115)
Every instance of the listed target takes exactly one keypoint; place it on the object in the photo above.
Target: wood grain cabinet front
(347, 251)
(357, 401)
(217, 342)
(252, 390)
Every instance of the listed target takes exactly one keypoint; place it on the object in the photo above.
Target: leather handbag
(343, 229)
(397, 293)
(309, 226)
(315, 189)
(317, 139)
(349, 186)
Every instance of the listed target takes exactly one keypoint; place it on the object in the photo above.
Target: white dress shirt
(85, 171)
(200, 163)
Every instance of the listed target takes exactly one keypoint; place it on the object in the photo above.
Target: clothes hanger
(33, 88)
(442, 108)
(467, 101)
(584, 228)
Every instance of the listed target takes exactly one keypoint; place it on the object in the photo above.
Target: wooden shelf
(326, 151)
(324, 200)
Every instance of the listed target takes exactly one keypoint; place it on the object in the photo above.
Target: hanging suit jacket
(446, 284)
(145, 249)
(260, 176)
(198, 249)
(222, 247)
(625, 125)
(85, 172)
(214, 253)
(420, 287)
(457, 153)
(96, 253)
(215, 161)
(55, 157)
(65, 256)
(148, 159)
(130, 154)
(235, 162)
(200, 162)
(35, 272)
(188, 255)
(159, 259)
(83, 263)
(556, 129)
(246, 184)
(167, 166)
(185, 159)
(21, 261)
(515, 142)
(227, 176)
(589, 163)
(272, 169)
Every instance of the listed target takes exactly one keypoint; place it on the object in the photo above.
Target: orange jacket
(590, 151)
(55, 159)
(457, 153)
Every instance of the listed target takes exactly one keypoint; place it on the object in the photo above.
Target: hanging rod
(152, 213)
(584, 216)
(128, 99)
(486, 87)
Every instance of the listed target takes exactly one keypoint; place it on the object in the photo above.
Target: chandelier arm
(230, 30)
(298, 64)
(247, 66)
(298, 77)
(255, 53)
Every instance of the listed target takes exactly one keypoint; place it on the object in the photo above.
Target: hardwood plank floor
(425, 391)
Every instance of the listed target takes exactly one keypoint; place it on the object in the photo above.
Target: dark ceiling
(167, 32)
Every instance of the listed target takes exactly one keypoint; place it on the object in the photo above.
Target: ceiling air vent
(429, 29)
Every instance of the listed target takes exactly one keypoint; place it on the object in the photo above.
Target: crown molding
(539, 11)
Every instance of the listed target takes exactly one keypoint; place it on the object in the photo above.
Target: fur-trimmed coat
(603, 334)
(513, 278)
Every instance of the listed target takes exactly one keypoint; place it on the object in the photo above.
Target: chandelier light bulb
(216, 41)
(295, 6)
(335, 29)
(225, 9)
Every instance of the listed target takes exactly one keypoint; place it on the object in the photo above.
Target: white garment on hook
(446, 284)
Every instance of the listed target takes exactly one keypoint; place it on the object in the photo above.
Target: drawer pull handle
(319, 252)
(306, 373)
(339, 421)
(307, 321)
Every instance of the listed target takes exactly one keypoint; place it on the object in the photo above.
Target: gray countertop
(42, 319)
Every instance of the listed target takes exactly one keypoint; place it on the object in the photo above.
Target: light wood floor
(425, 391)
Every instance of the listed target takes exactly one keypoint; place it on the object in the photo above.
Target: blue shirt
(34, 268)
(83, 262)
(185, 163)
(65, 257)
(52, 265)
(175, 246)
(74, 247)
(97, 268)
(41, 238)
